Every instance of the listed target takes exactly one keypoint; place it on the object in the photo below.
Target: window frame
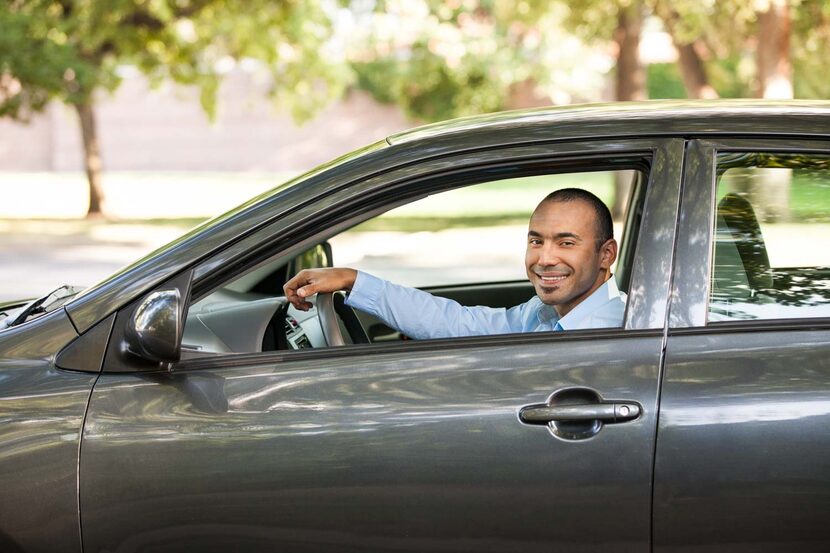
(357, 202)
(692, 282)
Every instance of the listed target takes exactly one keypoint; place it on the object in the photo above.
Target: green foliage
(428, 88)
(729, 30)
(664, 82)
(811, 42)
(732, 77)
(37, 62)
(66, 49)
(440, 59)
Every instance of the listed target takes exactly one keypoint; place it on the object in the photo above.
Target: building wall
(165, 129)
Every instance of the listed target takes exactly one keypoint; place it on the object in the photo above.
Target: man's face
(562, 259)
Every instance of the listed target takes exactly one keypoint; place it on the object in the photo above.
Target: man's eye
(534, 242)
(567, 243)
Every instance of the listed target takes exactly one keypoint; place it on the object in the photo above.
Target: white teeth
(552, 279)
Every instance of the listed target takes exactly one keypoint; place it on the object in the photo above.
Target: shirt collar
(601, 296)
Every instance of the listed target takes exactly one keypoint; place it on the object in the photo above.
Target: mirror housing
(319, 255)
(147, 333)
(154, 331)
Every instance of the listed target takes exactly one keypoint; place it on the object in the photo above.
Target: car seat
(741, 267)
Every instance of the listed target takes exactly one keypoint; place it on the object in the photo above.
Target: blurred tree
(775, 70)
(447, 58)
(663, 81)
(736, 48)
(439, 59)
(619, 22)
(686, 23)
(70, 49)
(810, 32)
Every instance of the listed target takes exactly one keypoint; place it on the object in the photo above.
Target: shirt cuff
(365, 292)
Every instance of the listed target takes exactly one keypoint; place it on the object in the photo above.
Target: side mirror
(154, 332)
(147, 333)
(315, 257)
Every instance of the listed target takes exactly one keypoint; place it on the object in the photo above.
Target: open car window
(469, 235)
(466, 244)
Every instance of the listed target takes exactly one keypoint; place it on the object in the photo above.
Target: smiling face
(562, 259)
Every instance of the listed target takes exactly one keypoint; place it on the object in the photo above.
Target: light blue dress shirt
(421, 315)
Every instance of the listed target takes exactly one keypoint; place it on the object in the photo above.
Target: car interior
(250, 313)
(745, 285)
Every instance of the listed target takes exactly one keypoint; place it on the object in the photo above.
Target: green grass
(809, 195)
(504, 202)
(810, 199)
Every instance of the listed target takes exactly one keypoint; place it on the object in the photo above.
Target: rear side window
(772, 237)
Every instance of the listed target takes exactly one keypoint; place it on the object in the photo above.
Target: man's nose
(549, 255)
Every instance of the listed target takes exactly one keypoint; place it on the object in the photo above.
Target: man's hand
(312, 281)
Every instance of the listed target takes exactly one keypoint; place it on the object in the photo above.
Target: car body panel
(373, 452)
(417, 446)
(311, 483)
(41, 415)
(741, 461)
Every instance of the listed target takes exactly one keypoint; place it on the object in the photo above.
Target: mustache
(564, 269)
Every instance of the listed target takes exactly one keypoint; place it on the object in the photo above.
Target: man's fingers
(307, 290)
(309, 282)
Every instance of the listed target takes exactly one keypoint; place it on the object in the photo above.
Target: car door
(415, 446)
(742, 458)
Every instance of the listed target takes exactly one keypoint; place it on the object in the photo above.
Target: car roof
(654, 117)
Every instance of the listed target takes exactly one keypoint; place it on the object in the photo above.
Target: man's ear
(608, 253)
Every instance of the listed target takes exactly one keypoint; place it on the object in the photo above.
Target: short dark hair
(605, 225)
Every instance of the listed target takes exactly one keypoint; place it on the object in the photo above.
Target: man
(570, 250)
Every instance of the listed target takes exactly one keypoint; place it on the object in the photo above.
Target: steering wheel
(331, 309)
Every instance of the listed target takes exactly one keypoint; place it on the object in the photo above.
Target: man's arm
(414, 312)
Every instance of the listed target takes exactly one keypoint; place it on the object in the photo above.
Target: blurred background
(123, 123)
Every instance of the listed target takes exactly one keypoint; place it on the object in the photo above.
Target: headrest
(741, 224)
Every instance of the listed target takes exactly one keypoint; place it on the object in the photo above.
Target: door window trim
(646, 306)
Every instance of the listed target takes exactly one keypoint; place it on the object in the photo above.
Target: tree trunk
(689, 61)
(775, 70)
(92, 158)
(693, 72)
(771, 193)
(630, 85)
(631, 76)
(523, 95)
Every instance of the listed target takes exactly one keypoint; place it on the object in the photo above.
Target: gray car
(184, 405)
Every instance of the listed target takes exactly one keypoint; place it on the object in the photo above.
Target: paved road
(36, 257)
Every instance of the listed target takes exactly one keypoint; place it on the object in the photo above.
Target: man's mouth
(552, 279)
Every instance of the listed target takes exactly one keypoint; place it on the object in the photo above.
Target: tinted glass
(771, 254)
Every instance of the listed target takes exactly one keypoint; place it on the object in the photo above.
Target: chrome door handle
(608, 413)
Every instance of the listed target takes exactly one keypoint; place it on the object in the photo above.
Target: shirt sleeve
(421, 315)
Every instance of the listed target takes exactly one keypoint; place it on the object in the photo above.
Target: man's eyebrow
(559, 236)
